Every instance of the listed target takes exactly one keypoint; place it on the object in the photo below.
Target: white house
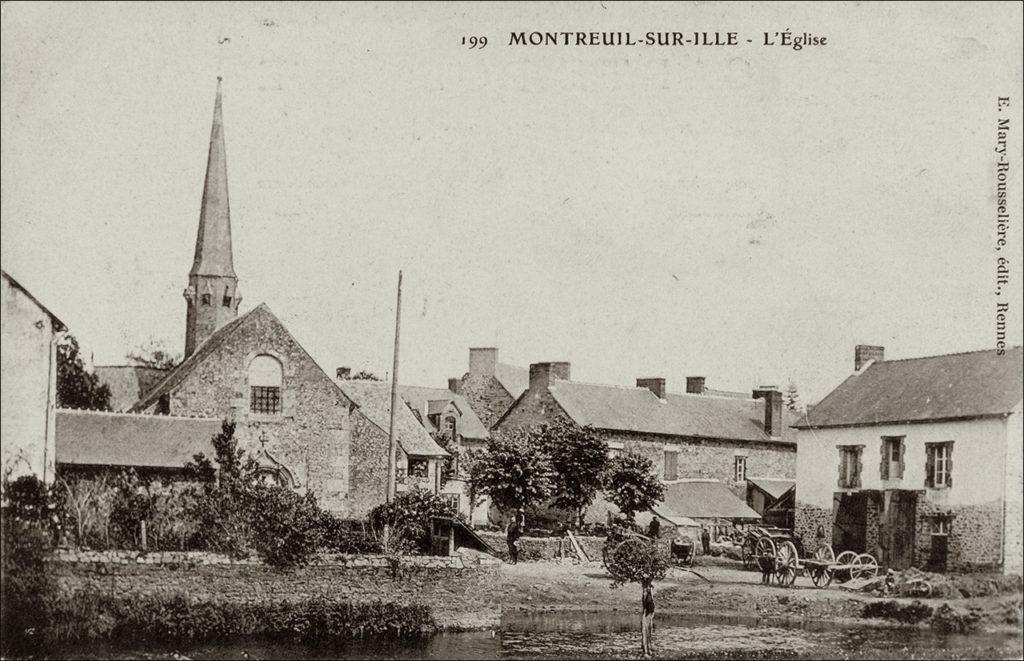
(917, 461)
(29, 392)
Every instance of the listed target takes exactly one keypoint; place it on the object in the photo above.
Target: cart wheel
(821, 576)
(764, 556)
(749, 561)
(845, 558)
(864, 566)
(785, 571)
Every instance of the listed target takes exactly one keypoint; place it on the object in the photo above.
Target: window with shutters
(938, 470)
(671, 465)
(849, 466)
(892, 451)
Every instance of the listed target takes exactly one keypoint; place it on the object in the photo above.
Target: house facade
(917, 461)
(723, 437)
(29, 367)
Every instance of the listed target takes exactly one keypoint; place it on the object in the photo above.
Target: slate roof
(948, 387)
(99, 438)
(58, 325)
(374, 399)
(436, 400)
(202, 352)
(771, 486)
(515, 380)
(703, 499)
(639, 410)
(128, 383)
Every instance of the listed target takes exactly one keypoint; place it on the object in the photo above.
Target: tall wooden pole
(392, 446)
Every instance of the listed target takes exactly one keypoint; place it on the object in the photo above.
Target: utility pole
(392, 446)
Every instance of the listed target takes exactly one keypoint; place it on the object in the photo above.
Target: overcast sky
(747, 214)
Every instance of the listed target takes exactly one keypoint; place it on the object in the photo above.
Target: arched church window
(265, 377)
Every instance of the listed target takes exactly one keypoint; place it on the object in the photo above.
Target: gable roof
(436, 399)
(515, 380)
(100, 438)
(639, 410)
(703, 499)
(202, 352)
(948, 387)
(58, 325)
(374, 399)
(128, 383)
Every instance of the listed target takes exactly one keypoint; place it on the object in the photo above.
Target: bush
(911, 613)
(287, 526)
(411, 513)
(346, 535)
(637, 560)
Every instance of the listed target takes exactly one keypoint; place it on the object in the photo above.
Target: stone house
(723, 436)
(308, 432)
(29, 394)
(917, 461)
(490, 387)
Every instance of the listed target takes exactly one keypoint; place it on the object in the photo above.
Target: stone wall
(179, 559)
(975, 535)
(807, 520)
(312, 436)
(486, 396)
(543, 548)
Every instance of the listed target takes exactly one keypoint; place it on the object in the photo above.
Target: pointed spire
(213, 243)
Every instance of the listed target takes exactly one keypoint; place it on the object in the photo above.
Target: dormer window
(265, 378)
(206, 299)
(227, 298)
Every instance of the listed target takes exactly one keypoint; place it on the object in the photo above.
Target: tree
(631, 484)
(515, 472)
(363, 375)
(153, 354)
(792, 398)
(409, 513)
(579, 458)
(471, 465)
(77, 388)
(639, 560)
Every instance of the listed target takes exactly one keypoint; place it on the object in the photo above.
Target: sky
(746, 214)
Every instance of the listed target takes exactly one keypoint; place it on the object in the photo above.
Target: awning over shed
(703, 499)
(773, 487)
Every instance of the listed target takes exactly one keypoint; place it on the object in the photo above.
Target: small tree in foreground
(632, 486)
(642, 561)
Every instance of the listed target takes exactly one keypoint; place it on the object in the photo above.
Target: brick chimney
(695, 385)
(655, 385)
(542, 374)
(772, 397)
(483, 361)
(455, 385)
(343, 373)
(862, 353)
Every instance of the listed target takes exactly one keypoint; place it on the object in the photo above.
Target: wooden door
(900, 520)
(850, 528)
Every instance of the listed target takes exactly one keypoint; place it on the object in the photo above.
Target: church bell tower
(212, 292)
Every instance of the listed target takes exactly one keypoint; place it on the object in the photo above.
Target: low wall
(544, 548)
(200, 558)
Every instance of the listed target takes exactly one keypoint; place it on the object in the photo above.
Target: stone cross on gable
(263, 439)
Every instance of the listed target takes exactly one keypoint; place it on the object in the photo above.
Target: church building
(304, 429)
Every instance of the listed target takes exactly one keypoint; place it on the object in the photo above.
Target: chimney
(695, 385)
(455, 385)
(862, 353)
(655, 385)
(541, 374)
(343, 373)
(772, 397)
(483, 361)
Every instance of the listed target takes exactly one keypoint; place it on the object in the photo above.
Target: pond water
(611, 635)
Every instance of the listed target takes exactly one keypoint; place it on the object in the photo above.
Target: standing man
(705, 539)
(515, 530)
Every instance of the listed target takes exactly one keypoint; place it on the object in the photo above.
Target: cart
(749, 548)
(823, 567)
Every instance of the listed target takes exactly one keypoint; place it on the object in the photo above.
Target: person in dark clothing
(647, 621)
(654, 529)
(705, 540)
(512, 537)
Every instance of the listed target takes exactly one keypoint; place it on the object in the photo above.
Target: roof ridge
(944, 355)
(599, 385)
(137, 414)
(144, 367)
(707, 396)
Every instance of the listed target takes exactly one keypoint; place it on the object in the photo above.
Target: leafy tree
(77, 388)
(363, 375)
(643, 561)
(410, 513)
(472, 465)
(153, 354)
(516, 471)
(579, 459)
(792, 398)
(631, 484)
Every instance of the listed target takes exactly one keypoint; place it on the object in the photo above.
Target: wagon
(785, 563)
(754, 534)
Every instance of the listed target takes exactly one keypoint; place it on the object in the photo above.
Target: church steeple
(212, 293)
